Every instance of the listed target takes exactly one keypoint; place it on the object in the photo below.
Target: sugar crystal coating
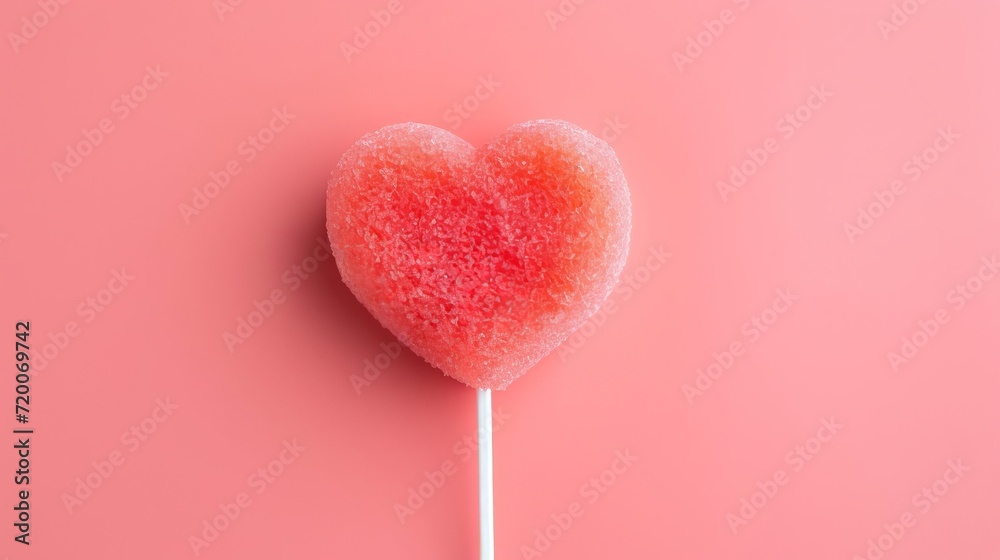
(482, 261)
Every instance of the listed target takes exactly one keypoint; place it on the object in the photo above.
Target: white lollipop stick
(485, 407)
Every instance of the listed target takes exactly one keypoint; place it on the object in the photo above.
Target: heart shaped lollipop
(482, 261)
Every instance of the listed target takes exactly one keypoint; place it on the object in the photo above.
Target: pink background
(619, 386)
